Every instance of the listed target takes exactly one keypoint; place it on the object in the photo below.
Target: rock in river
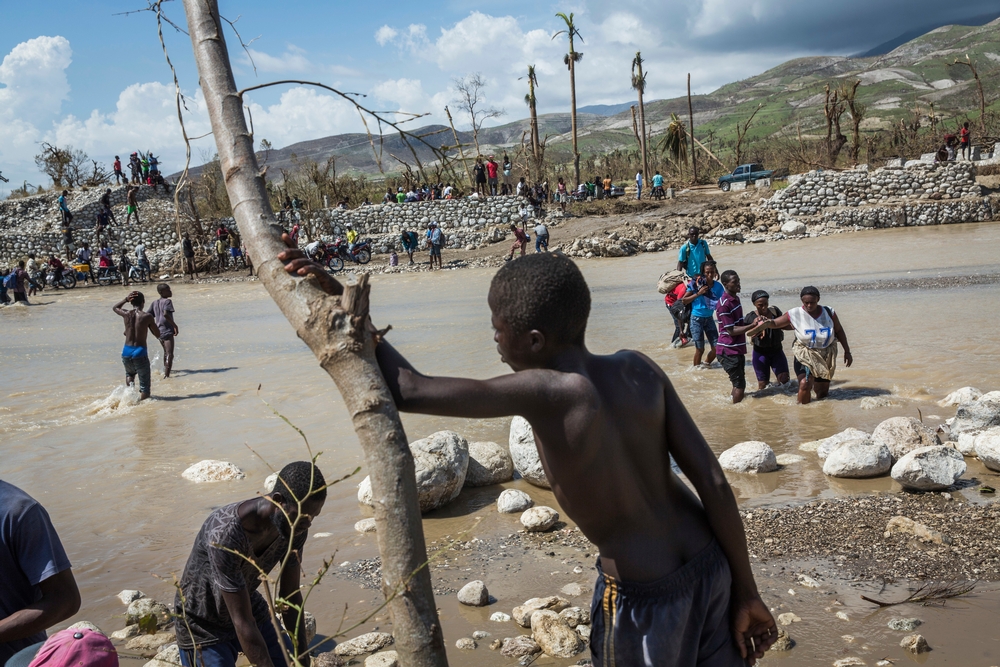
(212, 471)
(554, 635)
(524, 453)
(366, 643)
(987, 446)
(976, 416)
(474, 594)
(749, 457)
(929, 468)
(519, 647)
(858, 459)
(903, 434)
(489, 464)
(522, 614)
(441, 461)
(826, 445)
(959, 396)
(512, 501)
(539, 519)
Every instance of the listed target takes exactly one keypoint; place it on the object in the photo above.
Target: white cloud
(303, 113)
(385, 34)
(407, 94)
(34, 76)
(292, 60)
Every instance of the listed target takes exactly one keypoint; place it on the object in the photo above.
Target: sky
(92, 76)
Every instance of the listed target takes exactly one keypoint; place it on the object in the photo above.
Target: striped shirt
(729, 310)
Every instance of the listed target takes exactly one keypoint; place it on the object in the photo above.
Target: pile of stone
(807, 194)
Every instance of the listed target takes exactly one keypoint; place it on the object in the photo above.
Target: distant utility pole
(694, 164)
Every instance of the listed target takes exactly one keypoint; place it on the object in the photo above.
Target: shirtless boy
(675, 585)
(138, 324)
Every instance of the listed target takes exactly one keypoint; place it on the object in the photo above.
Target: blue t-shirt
(657, 181)
(30, 553)
(693, 255)
(704, 306)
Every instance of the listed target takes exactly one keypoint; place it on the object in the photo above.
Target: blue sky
(74, 72)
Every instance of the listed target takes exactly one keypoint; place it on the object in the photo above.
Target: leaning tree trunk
(334, 328)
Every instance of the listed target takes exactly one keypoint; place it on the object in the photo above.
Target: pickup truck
(744, 172)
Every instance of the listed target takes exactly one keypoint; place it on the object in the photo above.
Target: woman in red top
(966, 139)
(520, 241)
(680, 314)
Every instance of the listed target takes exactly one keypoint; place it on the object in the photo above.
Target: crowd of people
(706, 308)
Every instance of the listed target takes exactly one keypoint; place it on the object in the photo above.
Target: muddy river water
(109, 472)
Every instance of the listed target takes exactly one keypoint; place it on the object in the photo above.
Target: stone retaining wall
(811, 193)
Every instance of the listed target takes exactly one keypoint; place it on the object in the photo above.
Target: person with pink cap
(37, 588)
(76, 647)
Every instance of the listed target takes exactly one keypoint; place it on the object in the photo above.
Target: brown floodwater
(108, 471)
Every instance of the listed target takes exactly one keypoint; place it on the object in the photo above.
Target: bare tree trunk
(536, 149)
(642, 134)
(694, 164)
(572, 118)
(334, 328)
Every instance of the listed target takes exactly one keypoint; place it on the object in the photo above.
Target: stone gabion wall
(811, 193)
(41, 212)
(464, 221)
(915, 214)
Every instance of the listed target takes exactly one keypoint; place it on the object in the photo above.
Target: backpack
(10, 282)
(670, 280)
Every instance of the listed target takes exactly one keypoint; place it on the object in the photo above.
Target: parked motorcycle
(362, 251)
(325, 255)
(108, 275)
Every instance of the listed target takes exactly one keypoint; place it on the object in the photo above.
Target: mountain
(606, 109)
(913, 75)
(886, 47)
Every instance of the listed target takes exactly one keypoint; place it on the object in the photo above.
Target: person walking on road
(638, 184)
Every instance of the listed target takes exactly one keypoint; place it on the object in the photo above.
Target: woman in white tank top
(817, 332)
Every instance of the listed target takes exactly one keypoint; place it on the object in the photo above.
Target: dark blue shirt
(30, 553)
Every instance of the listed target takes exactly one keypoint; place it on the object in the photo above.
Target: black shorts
(736, 367)
(678, 621)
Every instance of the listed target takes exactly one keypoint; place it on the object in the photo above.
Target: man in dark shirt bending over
(674, 584)
(221, 614)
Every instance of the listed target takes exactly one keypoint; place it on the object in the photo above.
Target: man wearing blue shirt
(693, 253)
(703, 293)
(37, 588)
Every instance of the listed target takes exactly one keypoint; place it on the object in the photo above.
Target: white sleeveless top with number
(811, 332)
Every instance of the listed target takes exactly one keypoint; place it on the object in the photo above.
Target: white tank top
(811, 332)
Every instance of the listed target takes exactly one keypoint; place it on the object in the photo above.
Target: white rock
(575, 616)
(86, 625)
(127, 632)
(128, 596)
(441, 461)
(965, 443)
(538, 519)
(788, 618)
(990, 397)
(212, 471)
(789, 459)
(365, 526)
(987, 447)
(365, 492)
(474, 594)
(466, 644)
(512, 501)
(959, 396)
(270, 481)
(524, 453)
(137, 609)
(489, 464)
(793, 228)
(499, 617)
(383, 659)
(584, 632)
(167, 656)
(903, 435)
(929, 468)
(826, 445)
(366, 643)
(554, 635)
(858, 459)
(749, 457)
(976, 416)
(522, 613)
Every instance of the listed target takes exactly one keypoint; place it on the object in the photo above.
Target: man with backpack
(14, 282)
(693, 253)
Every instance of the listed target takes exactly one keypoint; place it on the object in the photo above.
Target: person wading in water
(135, 356)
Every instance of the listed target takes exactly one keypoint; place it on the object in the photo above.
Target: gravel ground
(845, 535)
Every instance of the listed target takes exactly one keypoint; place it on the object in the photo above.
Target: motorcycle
(362, 251)
(325, 255)
(658, 192)
(108, 275)
(67, 280)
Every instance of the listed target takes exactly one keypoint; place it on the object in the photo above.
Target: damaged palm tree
(334, 324)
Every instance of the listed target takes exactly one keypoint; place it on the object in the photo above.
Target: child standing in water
(674, 581)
